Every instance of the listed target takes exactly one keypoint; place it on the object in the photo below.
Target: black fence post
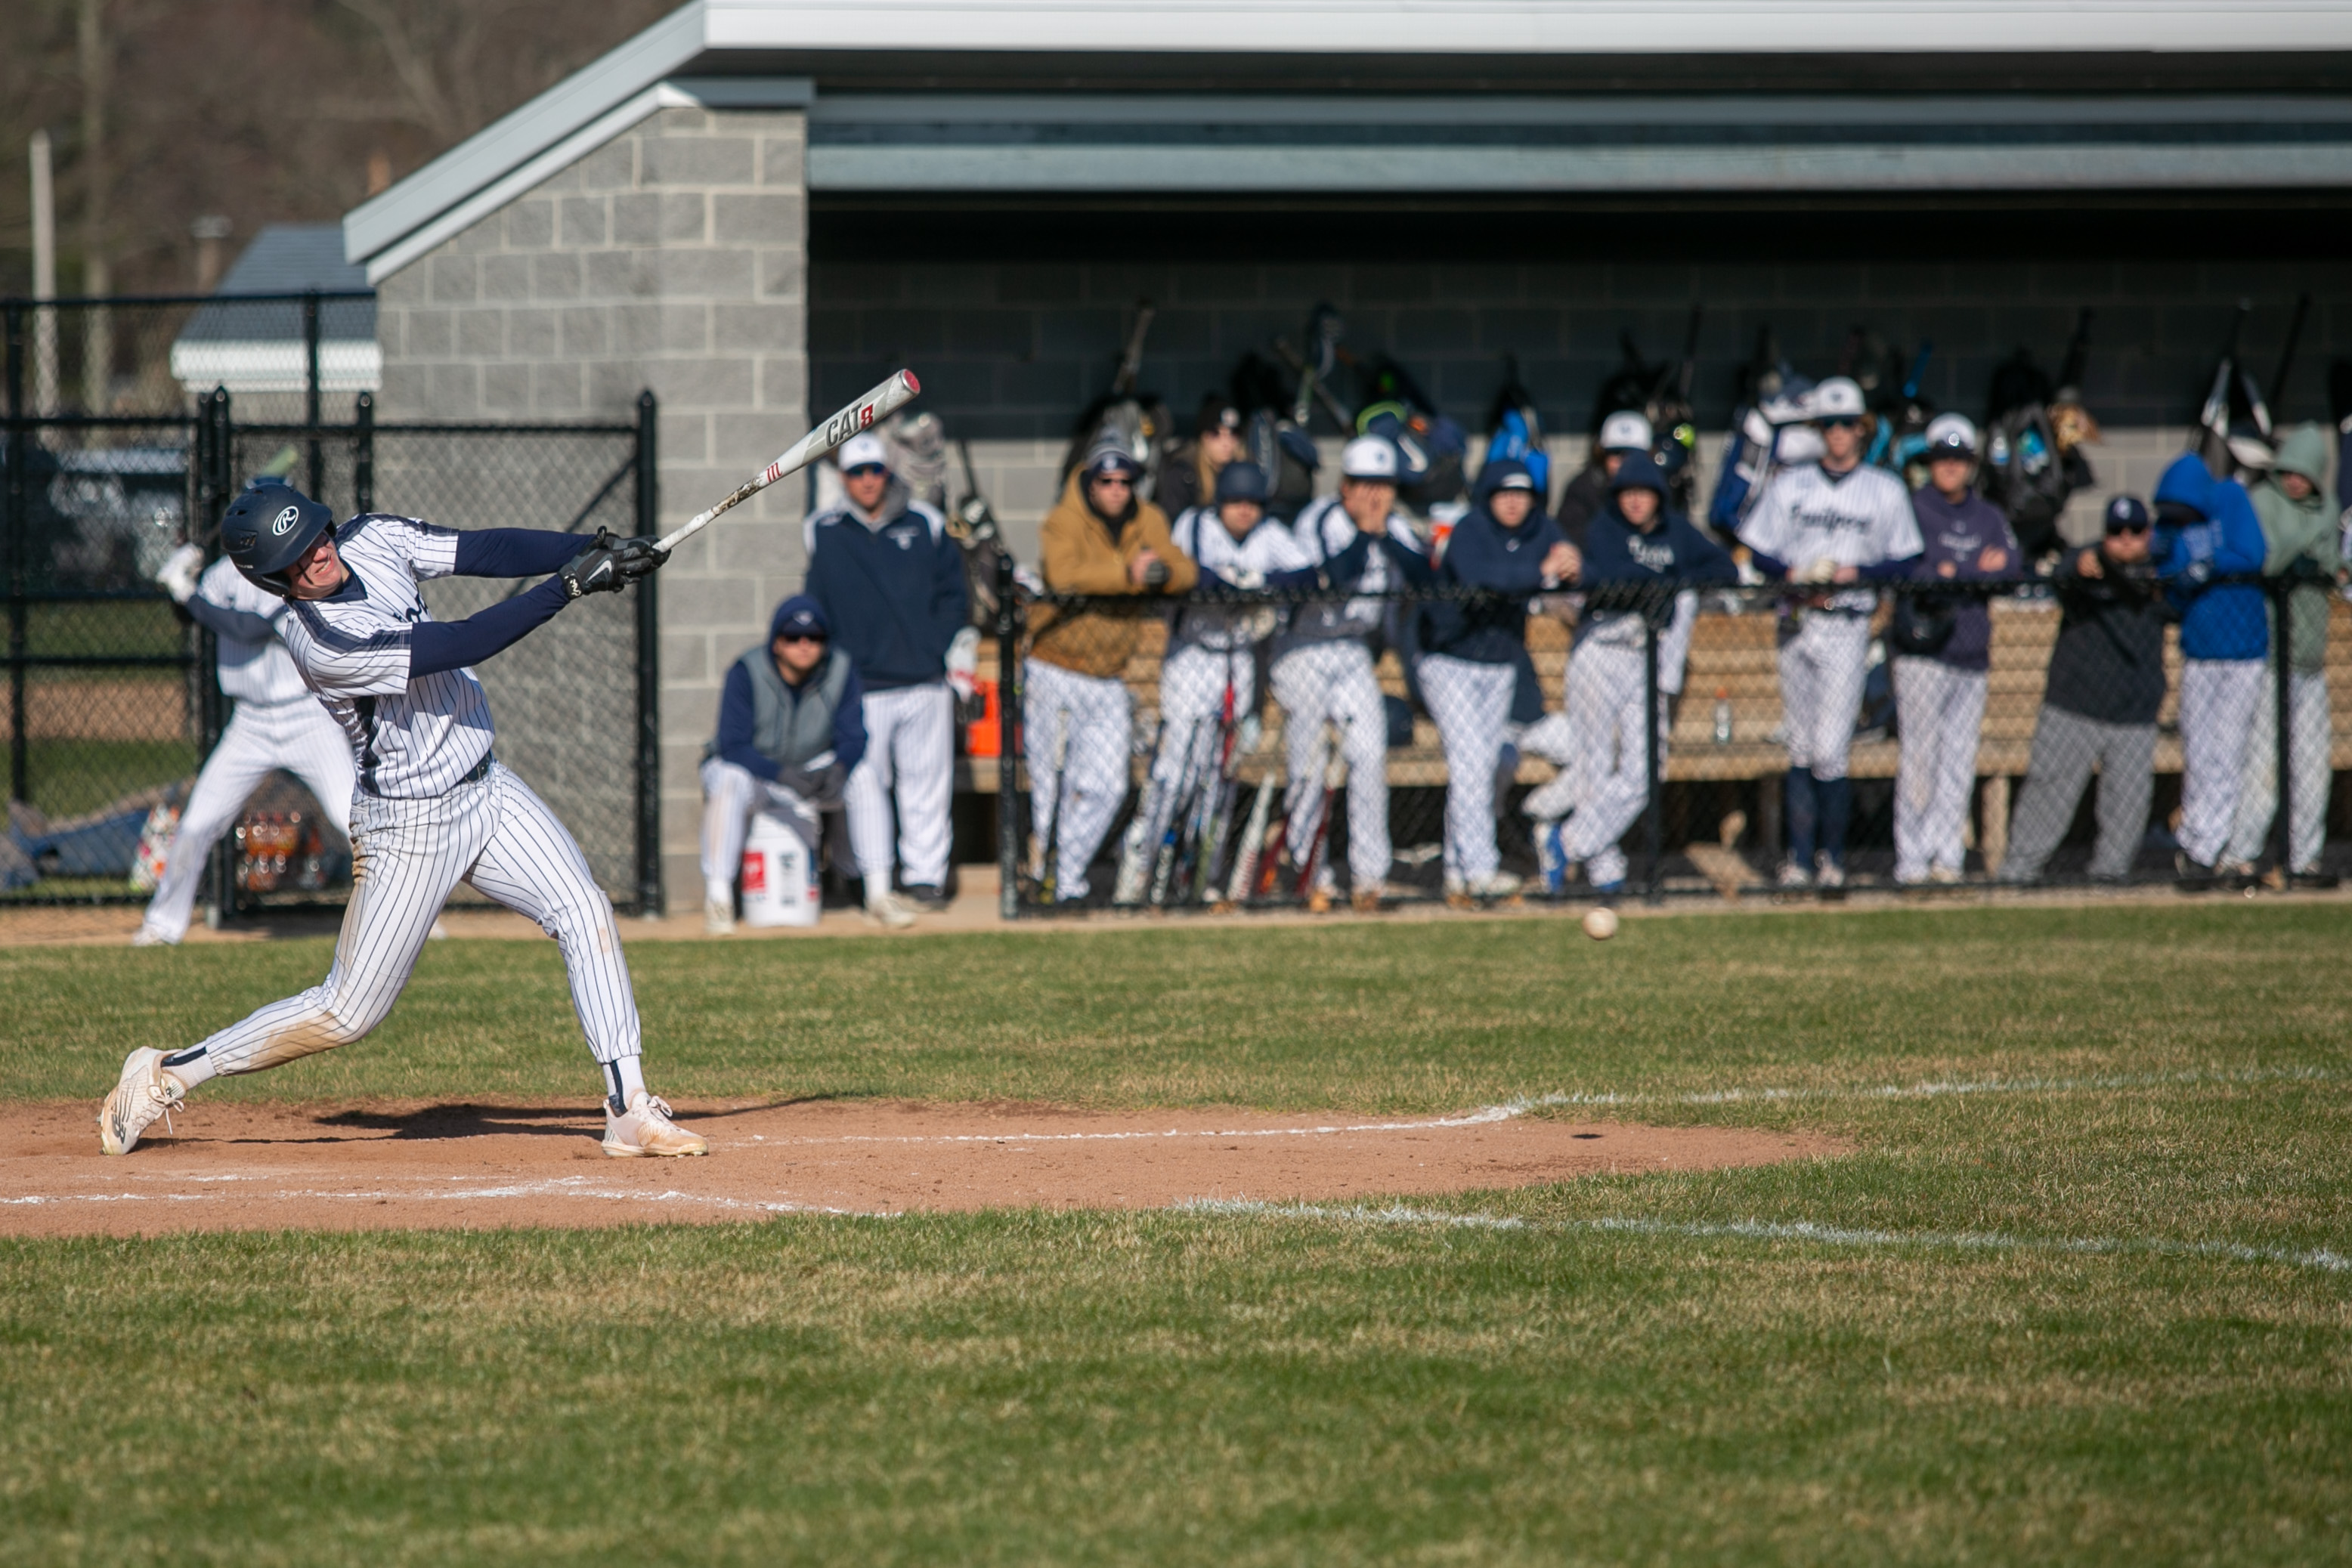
(317, 452)
(17, 524)
(216, 455)
(2282, 706)
(363, 454)
(1654, 827)
(650, 903)
(1008, 763)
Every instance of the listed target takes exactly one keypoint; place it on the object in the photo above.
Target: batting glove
(177, 575)
(964, 663)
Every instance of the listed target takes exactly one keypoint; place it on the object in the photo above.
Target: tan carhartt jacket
(1081, 557)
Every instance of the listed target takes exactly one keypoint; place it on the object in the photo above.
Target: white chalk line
(1934, 1089)
(1482, 1116)
(2319, 1259)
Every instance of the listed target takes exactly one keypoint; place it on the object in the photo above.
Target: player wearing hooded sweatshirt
(1077, 724)
(1939, 691)
(2206, 530)
(2298, 516)
(1828, 525)
(1360, 543)
(1508, 547)
(1208, 681)
(1641, 562)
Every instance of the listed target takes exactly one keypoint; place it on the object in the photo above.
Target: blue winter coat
(1482, 553)
(2217, 622)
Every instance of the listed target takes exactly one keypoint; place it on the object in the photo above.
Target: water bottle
(1723, 716)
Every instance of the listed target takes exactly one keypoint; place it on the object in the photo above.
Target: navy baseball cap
(1241, 482)
(799, 616)
(2125, 514)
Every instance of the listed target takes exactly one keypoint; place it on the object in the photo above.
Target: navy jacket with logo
(894, 595)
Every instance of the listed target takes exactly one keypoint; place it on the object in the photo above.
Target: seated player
(1509, 547)
(890, 582)
(791, 732)
(1640, 565)
(434, 807)
(277, 724)
(1078, 724)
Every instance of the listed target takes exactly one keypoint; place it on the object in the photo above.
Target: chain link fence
(110, 705)
(1265, 750)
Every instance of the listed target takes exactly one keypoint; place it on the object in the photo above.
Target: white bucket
(779, 875)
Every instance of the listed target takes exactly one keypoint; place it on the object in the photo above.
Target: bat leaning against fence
(878, 404)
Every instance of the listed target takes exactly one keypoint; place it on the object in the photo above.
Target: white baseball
(1601, 924)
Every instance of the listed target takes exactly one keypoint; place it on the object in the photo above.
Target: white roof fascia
(1537, 26)
(588, 97)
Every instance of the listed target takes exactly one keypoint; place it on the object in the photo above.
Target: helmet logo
(284, 522)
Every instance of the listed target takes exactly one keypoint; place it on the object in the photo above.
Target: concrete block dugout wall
(672, 257)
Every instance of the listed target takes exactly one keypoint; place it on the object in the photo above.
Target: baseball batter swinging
(434, 806)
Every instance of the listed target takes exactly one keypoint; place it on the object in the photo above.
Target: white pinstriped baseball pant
(1940, 711)
(2309, 743)
(1610, 698)
(406, 856)
(1823, 667)
(2218, 699)
(1332, 683)
(909, 755)
(1472, 704)
(298, 736)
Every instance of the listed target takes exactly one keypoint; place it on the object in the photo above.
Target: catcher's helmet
(267, 529)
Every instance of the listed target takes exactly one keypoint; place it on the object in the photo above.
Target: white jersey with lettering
(415, 740)
(1266, 548)
(1861, 517)
(261, 672)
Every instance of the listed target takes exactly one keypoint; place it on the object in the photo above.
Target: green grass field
(2080, 1293)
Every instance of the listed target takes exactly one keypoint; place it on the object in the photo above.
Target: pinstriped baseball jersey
(1268, 547)
(1323, 530)
(261, 671)
(1859, 518)
(414, 739)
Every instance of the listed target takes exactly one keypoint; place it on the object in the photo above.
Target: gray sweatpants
(2066, 748)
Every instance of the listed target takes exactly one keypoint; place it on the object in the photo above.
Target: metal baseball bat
(882, 401)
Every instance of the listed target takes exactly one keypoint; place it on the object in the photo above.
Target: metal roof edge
(587, 98)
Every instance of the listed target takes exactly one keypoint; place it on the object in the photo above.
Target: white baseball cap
(1626, 431)
(1951, 435)
(1369, 458)
(862, 449)
(1837, 398)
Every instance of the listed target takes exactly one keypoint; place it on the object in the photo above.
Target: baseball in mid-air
(1601, 924)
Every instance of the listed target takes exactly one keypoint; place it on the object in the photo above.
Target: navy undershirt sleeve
(514, 552)
(849, 724)
(438, 645)
(238, 625)
(1887, 571)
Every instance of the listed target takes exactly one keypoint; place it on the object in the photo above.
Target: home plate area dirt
(408, 1163)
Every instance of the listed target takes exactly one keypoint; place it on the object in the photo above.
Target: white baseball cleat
(889, 911)
(144, 1094)
(717, 916)
(647, 1131)
(147, 936)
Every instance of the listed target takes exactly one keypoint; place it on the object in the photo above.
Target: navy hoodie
(895, 595)
(1507, 562)
(1957, 535)
(1616, 552)
(733, 742)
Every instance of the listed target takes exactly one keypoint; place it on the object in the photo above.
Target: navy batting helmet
(267, 529)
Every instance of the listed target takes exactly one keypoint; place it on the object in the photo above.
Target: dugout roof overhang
(1521, 97)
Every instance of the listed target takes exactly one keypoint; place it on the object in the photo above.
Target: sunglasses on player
(863, 469)
(800, 637)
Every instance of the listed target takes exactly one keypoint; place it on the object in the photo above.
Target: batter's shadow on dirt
(437, 1122)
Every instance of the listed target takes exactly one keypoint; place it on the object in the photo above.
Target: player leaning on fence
(1076, 723)
(1827, 526)
(1943, 658)
(2205, 532)
(890, 582)
(1505, 550)
(2298, 515)
(791, 729)
(434, 807)
(2099, 704)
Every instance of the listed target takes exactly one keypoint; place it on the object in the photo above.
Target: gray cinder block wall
(672, 258)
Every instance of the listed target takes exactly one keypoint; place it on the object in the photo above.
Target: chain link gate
(111, 704)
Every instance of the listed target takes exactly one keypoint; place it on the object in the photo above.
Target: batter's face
(1240, 517)
(866, 486)
(317, 573)
(796, 656)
